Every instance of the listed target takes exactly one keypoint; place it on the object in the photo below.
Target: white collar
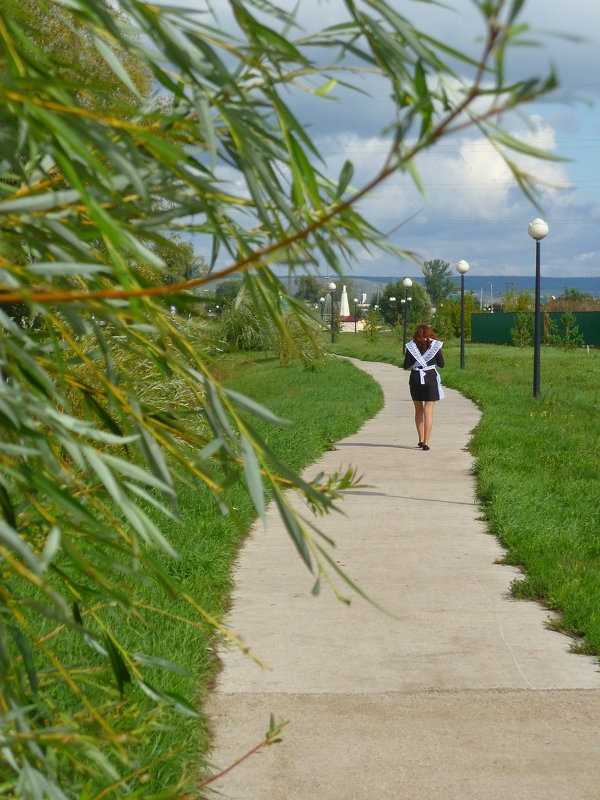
(434, 347)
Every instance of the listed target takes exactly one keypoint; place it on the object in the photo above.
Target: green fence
(495, 328)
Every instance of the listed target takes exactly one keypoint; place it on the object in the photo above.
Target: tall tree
(419, 306)
(438, 280)
(94, 179)
(309, 288)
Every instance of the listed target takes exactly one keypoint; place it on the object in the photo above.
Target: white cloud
(475, 210)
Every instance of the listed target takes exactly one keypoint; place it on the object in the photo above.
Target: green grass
(537, 466)
(323, 407)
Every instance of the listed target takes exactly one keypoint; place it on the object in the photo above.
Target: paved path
(464, 694)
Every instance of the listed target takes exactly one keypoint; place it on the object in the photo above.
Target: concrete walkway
(464, 694)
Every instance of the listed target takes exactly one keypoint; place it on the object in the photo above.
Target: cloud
(474, 209)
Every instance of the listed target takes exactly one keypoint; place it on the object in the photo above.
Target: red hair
(423, 337)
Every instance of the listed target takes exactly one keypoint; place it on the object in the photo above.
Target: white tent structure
(344, 307)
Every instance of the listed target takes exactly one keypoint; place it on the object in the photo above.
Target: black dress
(424, 391)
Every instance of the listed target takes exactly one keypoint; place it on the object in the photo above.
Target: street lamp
(462, 267)
(355, 308)
(537, 230)
(322, 302)
(391, 301)
(331, 291)
(407, 283)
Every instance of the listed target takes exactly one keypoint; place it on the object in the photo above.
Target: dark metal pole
(405, 315)
(536, 328)
(332, 320)
(462, 321)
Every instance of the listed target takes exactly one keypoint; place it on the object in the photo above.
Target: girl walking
(423, 355)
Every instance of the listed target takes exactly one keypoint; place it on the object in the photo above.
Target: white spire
(344, 307)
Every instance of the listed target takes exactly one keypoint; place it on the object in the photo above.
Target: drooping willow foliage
(120, 126)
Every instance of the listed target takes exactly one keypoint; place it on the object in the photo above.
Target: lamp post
(462, 267)
(355, 309)
(322, 302)
(407, 283)
(392, 301)
(331, 291)
(537, 230)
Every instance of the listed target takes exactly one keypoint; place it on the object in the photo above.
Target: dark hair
(423, 337)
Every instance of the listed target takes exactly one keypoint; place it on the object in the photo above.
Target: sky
(473, 210)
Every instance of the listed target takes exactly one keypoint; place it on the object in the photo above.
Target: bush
(373, 321)
(566, 332)
(242, 327)
(296, 341)
(443, 322)
(522, 333)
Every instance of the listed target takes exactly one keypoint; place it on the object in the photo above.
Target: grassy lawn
(322, 407)
(537, 466)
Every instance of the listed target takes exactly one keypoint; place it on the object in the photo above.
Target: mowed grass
(537, 466)
(322, 408)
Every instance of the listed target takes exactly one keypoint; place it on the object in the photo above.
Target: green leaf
(162, 663)
(7, 507)
(43, 201)
(171, 699)
(258, 410)
(253, 477)
(294, 529)
(344, 179)
(51, 547)
(10, 538)
(27, 654)
(327, 87)
(119, 669)
(109, 55)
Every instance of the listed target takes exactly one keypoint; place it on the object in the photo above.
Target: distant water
(548, 285)
(479, 284)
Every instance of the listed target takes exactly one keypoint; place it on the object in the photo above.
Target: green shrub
(566, 332)
(242, 327)
(373, 321)
(296, 342)
(522, 334)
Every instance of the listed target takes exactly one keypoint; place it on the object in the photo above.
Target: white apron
(421, 365)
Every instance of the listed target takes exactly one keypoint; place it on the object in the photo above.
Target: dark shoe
(420, 444)
(425, 446)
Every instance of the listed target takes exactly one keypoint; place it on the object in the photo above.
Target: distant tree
(438, 280)
(575, 295)
(391, 311)
(573, 300)
(517, 301)
(227, 291)
(419, 307)
(309, 288)
(182, 262)
(447, 316)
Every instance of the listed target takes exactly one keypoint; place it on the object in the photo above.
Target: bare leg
(428, 424)
(419, 418)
